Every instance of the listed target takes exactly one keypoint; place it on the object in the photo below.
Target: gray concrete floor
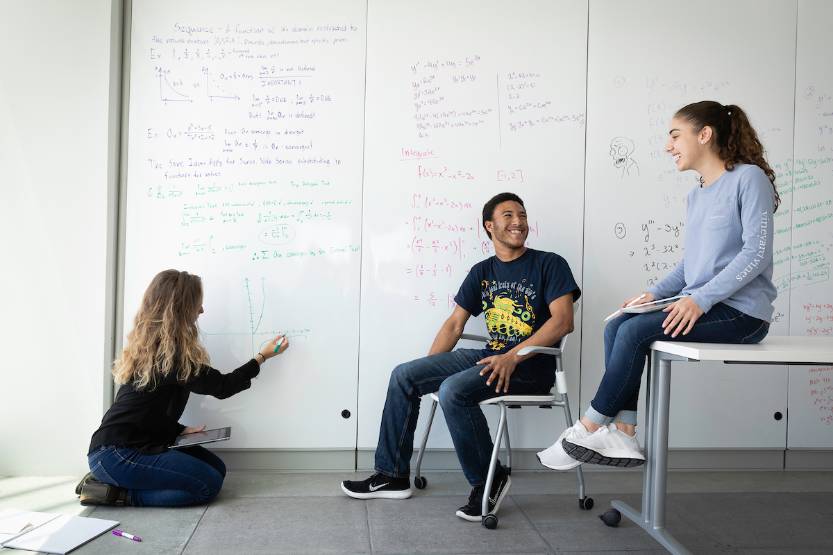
(267, 512)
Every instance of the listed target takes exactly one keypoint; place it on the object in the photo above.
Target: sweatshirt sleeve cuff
(701, 300)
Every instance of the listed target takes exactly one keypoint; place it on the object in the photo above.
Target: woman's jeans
(627, 342)
(456, 376)
(177, 477)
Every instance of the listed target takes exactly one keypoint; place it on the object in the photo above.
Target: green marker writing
(278, 345)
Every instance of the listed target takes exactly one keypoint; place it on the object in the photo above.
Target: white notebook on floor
(14, 522)
(51, 533)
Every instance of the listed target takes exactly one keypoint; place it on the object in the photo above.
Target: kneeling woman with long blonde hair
(162, 363)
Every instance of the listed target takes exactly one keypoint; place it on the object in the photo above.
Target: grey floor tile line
(520, 507)
(191, 535)
(367, 527)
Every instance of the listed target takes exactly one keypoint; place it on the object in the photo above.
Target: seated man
(527, 296)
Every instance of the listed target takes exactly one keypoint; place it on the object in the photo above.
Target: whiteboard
(484, 99)
(244, 167)
(323, 168)
(645, 62)
(811, 295)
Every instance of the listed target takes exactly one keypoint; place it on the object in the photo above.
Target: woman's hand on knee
(682, 315)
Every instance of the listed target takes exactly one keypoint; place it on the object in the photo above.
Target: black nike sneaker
(378, 486)
(472, 511)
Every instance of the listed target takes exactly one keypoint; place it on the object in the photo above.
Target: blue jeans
(627, 342)
(461, 387)
(177, 477)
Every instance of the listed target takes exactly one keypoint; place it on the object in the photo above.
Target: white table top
(773, 348)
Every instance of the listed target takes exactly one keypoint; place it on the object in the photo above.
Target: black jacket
(148, 420)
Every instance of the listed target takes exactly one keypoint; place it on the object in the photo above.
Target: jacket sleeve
(212, 382)
(172, 429)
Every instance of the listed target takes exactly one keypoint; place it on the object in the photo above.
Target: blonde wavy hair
(164, 334)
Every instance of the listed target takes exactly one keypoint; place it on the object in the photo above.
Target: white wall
(55, 59)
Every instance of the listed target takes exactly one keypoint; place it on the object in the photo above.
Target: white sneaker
(608, 446)
(554, 456)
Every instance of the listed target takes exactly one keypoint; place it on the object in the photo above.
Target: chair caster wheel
(585, 504)
(490, 521)
(611, 518)
(420, 482)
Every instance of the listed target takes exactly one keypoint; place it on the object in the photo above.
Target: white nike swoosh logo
(374, 488)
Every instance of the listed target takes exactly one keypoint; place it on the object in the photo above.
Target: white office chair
(513, 402)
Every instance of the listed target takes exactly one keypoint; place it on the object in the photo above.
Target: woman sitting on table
(162, 363)
(725, 279)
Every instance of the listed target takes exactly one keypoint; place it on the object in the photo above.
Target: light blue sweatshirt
(728, 245)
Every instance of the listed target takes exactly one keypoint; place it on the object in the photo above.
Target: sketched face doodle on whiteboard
(510, 317)
(621, 150)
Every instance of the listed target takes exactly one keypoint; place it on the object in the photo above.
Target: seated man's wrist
(515, 357)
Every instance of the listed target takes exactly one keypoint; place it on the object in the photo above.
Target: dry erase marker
(619, 311)
(278, 344)
(639, 298)
(126, 535)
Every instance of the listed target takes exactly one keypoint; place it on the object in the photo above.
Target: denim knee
(448, 394)
(610, 331)
(631, 332)
(400, 377)
(221, 468)
(212, 485)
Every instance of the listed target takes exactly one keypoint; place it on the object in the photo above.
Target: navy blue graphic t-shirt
(515, 296)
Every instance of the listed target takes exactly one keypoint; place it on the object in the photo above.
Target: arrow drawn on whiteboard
(252, 326)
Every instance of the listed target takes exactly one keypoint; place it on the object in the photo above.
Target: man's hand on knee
(500, 369)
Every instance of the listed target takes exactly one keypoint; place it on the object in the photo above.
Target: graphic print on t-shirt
(507, 306)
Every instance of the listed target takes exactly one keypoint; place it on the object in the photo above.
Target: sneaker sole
(398, 494)
(570, 466)
(586, 455)
(469, 518)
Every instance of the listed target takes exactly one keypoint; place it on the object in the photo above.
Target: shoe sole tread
(586, 455)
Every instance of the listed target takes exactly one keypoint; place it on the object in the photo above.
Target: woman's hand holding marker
(275, 347)
(643, 298)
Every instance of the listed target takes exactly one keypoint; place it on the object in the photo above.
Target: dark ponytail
(735, 138)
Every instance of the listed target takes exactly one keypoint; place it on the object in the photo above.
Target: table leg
(652, 518)
(650, 426)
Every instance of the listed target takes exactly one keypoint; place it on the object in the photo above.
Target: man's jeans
(188, 476)
(461, 387)
(627, 342)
